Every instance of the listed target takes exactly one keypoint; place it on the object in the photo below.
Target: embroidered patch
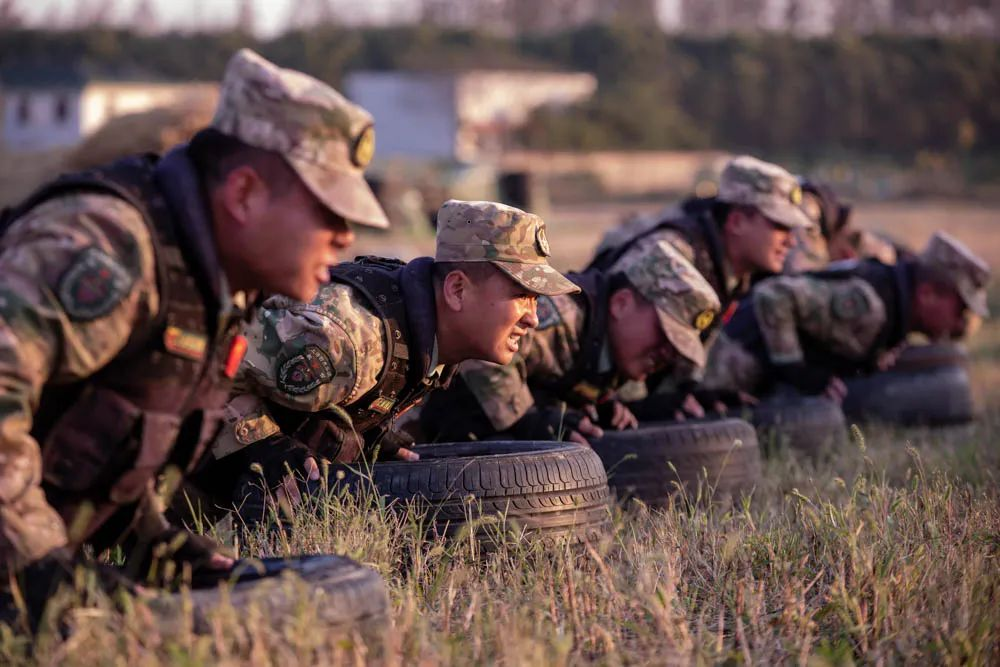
(704, 320)
(305, 371)
(850, 305)
(93, 285)
(548, 314)
(382, 405)
(186, 344)
(541, 242)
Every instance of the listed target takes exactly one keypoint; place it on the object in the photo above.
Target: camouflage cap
(509, 238)
(967, 272)
(685, 303)
(326, 139)
(767, 187)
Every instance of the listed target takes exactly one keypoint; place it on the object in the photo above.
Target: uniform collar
(436, 368)
(177, 178)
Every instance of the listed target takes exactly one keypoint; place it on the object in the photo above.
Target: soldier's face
(760, 245)
(299, 239)
(495, 314)
(940, 312)
(638, 345)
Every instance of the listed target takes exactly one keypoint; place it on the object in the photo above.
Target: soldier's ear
(455, 290)
(621, 303)
(242, 194)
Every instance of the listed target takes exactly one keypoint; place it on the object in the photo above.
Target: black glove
(40, 580)
(276, 455)
(658, 407)
(605, 413)
(546, 423)
(160, 561)
(808, 380)
(390, 443)
(330, 439)
(709, 397)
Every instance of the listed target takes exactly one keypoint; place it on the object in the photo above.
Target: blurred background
(582, 110)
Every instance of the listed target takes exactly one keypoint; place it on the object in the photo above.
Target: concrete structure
(46, 108)
(466, 115)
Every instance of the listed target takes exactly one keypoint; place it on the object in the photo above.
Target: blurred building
(58, 106)
(465, 115)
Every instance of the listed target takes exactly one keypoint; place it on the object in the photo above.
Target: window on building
(24, 110)
(62, 109)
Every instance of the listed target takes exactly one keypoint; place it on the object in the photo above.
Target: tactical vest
(892, 284)
(159, 401)
(402, 383)
(699, 228)
(583, 384)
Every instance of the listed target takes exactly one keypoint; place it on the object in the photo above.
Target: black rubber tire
(934, 397)
(808, 424)
(701, 451)
(347, 597)
(929, 357)
(543, 489)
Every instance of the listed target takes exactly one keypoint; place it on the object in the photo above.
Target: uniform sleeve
(311, 357)
(501, 391)
(845, 315)
(76, 277)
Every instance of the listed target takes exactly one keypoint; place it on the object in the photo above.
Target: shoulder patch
(850, 304)
(548, 314)
(305, 371)
(93, 285)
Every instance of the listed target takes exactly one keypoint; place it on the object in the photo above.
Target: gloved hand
(161, 561)
(330, 439)
(615, 415)
(546, 423)
(277, 455)
(396, 445)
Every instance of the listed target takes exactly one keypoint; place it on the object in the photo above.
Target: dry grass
(883, 553)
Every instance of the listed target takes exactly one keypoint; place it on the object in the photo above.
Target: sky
(271, 15)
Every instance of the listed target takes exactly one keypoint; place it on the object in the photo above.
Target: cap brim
(345, 193)
(787, 215)
(684, 338)
(538, 278)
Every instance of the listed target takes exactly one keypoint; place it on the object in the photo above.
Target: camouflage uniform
(568, 358)
(333, 353)
(802, 330)
(118, 327)
(695, 229)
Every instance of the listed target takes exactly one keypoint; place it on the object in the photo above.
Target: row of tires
(561, 491)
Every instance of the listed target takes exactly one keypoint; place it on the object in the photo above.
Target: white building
(46, 108)
(466, 115)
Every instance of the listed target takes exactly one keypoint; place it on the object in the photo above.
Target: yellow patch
(381, 405)
(704, 319)
(186, 344)
(364, 147)
(587, 391)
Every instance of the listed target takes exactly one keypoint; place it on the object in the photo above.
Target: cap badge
(364, 147)
(795, 195)
(704, 319)
(542, 243)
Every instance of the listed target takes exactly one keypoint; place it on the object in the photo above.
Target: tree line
(884, 94)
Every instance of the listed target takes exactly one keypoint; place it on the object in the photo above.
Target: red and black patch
(93, 285)
(305, 371)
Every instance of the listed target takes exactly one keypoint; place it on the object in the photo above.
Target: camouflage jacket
(98, 382)
(335, 352)
(565, 358)
(839, 320)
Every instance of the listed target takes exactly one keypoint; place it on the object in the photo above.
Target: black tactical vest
(583, 384)
(402, 296)
(159, 401)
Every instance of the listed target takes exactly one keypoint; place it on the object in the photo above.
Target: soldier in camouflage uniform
(744, 231)
(832, 237)
(809, 330)
(643, 318)
(331, 377)
(122, 293)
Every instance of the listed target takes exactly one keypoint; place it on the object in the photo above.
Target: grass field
(885, 552)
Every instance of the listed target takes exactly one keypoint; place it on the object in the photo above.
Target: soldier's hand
(614, 414)
(836, 390)
(404, 454)
(288, 492)
(585, 431)
(888, 359)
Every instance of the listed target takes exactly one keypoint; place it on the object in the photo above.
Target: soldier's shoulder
(84, 218)
(335, 303)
